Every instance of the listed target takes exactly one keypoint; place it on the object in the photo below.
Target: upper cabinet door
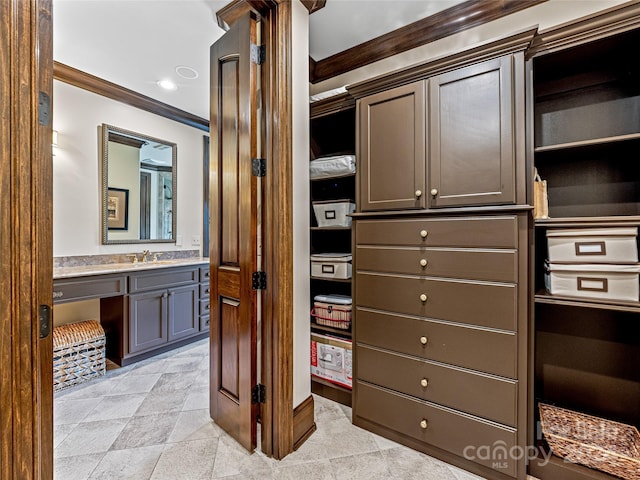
(391, 156)
(472, 149)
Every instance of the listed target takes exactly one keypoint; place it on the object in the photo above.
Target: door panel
(233, 233)
(184, 311)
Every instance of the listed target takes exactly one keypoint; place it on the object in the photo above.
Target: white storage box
(331, 265)
(331, 359)
(599, 281)
(334, 166)
(593, 245)
(332, 311)
(333, 213)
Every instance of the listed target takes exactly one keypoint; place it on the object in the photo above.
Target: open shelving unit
(586, 121)
(332, 129)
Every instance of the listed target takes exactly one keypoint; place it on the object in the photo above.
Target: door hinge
(258, 394)
(259, 167)
(258, 280)
(45, 320)
(258, 54)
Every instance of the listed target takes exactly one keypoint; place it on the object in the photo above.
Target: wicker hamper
(78, 353)
(595, 442)
(332, 311)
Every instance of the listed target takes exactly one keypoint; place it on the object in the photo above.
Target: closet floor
(150, 421)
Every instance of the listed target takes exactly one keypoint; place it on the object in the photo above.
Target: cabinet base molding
(123, 362)
(303, 422)
(430, 450)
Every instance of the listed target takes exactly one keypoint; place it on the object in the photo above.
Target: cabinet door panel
(392, 149)
(148, 320)
(472, 139)
(183, 312)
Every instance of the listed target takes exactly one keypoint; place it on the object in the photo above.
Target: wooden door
(233, 233)
(392, 147)
(472, 149)
(26, 276)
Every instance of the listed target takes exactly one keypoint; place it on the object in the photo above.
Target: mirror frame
(104, 144)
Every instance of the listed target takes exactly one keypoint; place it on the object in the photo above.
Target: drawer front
(162, 278)
(487, 232)
(204, 290)
(487, 396)
(204, 273)
(204, 323)
(447, 429)
(491, 265)
(84, 288)
(470, 347)
(204, 306)
(475, 303)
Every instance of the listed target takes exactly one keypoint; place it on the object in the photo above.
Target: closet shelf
(330, 228)
(620, 306)
(337, 331)
(340, 280)
(331, 384)
(348, 175)
(587, 143)
(557, 467)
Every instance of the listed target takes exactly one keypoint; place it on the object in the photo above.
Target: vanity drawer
(472, 264)
(476, 303)
(204, 306)
(487, 232)
(447, 429)
(204, 290)
(465, 346)
(204, 274)
(487, 396)
(204, 323)
(162, 278)
(84, 288)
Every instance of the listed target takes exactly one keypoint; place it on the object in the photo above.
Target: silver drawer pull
(424, 340)
(424, 233)
(423, 424)
(434, 192)
(423, 297)
(424, 383)
(423, 262)
(418, 193)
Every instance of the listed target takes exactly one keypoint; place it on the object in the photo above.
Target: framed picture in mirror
(118, 208)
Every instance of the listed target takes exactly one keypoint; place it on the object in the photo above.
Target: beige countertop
(107, 268)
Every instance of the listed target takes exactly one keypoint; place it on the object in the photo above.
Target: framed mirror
(139, 201)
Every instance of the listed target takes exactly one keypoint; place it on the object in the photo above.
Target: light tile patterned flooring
(150, 421)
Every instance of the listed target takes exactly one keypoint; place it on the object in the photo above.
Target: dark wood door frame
(277, 437)
(26, 264)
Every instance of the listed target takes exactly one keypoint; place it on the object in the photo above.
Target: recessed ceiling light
(167, 84)
(187, 72)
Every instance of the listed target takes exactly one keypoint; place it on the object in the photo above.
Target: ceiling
(136, 43)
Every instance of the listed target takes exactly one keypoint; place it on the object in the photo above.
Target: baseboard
(303, 422)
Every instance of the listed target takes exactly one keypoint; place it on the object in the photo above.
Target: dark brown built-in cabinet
(441, 257)
(585, 130)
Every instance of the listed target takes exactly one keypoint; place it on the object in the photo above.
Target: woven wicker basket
(595, 442)
(332, 315)
(78, 353)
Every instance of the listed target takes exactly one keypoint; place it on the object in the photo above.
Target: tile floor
(150, 421)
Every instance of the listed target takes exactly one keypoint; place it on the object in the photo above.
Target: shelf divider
(587, 143)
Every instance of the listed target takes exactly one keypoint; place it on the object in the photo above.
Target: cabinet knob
(434, 192)
(424, 383)
(423, 262)
(418, 193)
(207, 307)
(424, 340)
(423, 297)
(423, 233)
(423, 424)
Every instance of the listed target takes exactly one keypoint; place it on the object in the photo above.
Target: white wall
(77, 114)
(301, 222)
(545, 15)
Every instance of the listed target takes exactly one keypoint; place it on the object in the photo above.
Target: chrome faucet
(145, 254)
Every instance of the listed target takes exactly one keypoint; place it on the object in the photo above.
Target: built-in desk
(145, 308)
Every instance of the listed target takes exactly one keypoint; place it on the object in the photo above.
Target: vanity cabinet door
(148, 317)
(183, 312)
(392, 146)
(472, 149)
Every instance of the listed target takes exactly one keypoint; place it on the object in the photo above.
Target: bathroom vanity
(145, 308)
